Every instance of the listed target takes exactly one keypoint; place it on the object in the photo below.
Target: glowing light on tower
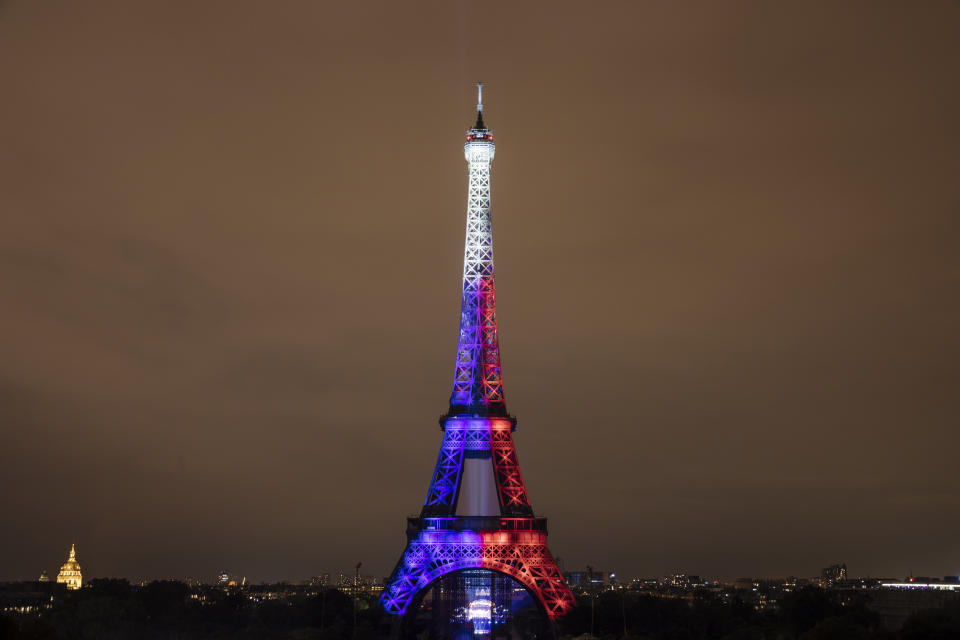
(457, 528)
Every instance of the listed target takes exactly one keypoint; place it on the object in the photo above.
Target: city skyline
(726, 242)
(347, 574)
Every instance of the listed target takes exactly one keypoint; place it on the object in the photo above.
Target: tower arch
(484, 601)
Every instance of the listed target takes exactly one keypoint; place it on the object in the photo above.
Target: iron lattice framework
(477, 425)
(477, 383)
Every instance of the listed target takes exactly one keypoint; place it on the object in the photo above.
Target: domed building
(70, 571)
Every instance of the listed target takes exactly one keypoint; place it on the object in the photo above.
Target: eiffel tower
(477, 514)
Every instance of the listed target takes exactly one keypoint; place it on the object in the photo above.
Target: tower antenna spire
(479, 126)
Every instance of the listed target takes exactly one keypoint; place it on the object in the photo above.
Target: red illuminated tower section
(477, 514)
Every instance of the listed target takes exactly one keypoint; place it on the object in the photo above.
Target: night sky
(728, 256)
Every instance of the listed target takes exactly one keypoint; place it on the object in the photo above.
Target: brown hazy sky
(728, 271)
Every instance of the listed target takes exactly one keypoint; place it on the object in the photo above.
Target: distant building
(322, 580)
(70, 574)
(28, 597)
(897, 601)
(227, 580)
(923, 584)
(355, 586)
(834, 573)
(683, 580)
(584, 579)
(43, 577)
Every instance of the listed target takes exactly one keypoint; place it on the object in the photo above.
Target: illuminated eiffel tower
(477, 514)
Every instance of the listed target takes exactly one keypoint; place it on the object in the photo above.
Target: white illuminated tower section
(477, 378)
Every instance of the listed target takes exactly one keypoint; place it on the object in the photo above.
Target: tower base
(513, 547)
(475, 604)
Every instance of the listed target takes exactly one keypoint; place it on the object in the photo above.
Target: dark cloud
(727, 272)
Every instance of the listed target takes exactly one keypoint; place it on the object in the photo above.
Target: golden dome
(70, 574)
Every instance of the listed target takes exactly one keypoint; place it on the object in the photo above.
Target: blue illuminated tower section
(477, 514)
